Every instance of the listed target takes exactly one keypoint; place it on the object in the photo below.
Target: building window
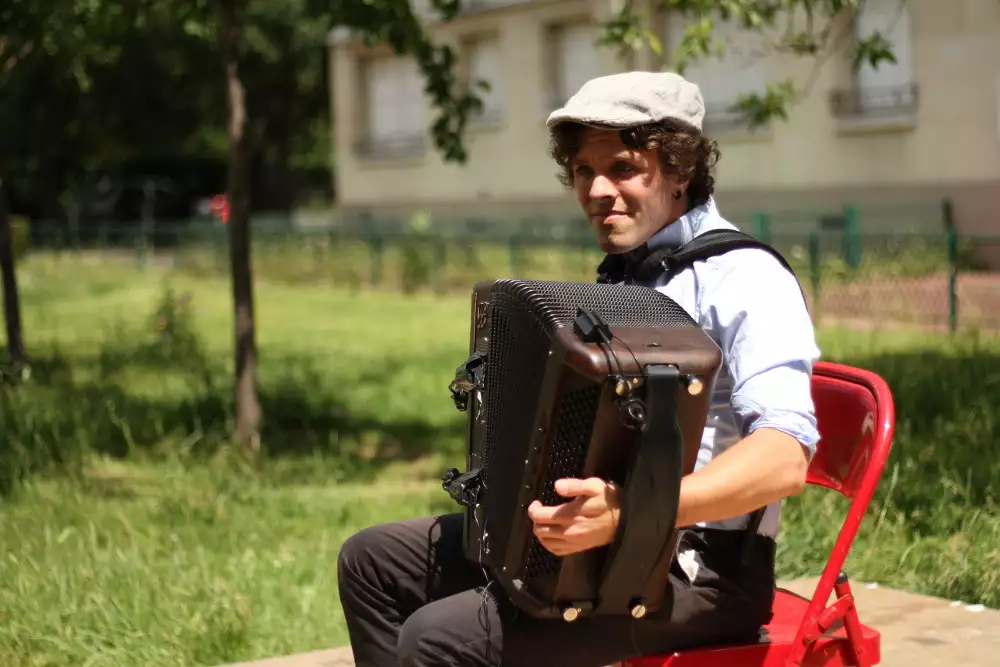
(740, 69)
(484, 64)
(574, 59)
(887, 91)
(394, 108)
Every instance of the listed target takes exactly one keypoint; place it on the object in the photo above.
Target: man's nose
(602, 187)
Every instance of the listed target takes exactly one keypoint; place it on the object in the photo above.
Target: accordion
(579, 380)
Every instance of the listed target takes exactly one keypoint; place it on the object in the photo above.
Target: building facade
(896, 140)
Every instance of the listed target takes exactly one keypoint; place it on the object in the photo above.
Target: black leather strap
(651, 493)
(642, 264)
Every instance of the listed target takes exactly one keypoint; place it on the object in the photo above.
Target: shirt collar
(686, 227)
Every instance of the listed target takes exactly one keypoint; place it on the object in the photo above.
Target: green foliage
(121, 83)
(140, 88)
(803, 28)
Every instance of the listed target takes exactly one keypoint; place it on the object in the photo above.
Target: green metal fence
(936, 278)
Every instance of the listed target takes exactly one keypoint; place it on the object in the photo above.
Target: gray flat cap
(633, 98)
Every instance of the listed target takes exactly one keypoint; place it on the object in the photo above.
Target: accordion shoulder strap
(671, 261)
(719, 242)
(713, 243)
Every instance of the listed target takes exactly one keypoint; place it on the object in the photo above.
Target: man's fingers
(555, 542)
(582, 507)
(572, 488)
(554, 514)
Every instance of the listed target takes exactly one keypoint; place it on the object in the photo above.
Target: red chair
(856, 417)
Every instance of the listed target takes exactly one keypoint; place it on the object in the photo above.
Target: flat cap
(633, 98)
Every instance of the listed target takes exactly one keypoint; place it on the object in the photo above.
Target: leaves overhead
(802, 28)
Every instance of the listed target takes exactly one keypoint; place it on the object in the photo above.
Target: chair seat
(830, 650)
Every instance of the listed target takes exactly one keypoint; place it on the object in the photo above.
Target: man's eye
(624, 167)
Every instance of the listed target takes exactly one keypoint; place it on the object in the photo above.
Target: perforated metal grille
(524, 316)
(565, 458)
(556, 303)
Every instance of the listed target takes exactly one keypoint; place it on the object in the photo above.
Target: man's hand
(587, 521)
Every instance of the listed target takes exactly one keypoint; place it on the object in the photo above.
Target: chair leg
(852, 624)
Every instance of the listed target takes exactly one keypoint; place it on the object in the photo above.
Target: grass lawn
(163, 547)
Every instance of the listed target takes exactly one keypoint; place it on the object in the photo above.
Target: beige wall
(950, 146)
(507, 160)
(954, 134)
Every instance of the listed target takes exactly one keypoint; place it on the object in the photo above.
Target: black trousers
(411, 599)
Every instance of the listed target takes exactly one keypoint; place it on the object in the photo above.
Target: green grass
(136, 536)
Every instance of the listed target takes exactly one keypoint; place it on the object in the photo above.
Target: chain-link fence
(931, 278)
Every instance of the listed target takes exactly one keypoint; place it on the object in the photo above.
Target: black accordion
(579, 380)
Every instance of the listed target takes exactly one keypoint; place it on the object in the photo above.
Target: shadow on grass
(142, 400)
(161, 394)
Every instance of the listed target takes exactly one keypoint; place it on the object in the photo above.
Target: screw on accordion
(579, 380)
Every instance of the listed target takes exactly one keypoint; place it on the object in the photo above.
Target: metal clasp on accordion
(468, 378)
(463, 487)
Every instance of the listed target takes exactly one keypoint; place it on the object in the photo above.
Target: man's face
(624, 192)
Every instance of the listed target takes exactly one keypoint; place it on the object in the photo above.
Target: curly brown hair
(682, 150)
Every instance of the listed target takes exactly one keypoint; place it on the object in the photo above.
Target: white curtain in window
(892, 20)
(395, 98)
(484, 65)
(576, 58)
(381, 97)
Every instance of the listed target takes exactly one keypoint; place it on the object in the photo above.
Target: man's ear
(680, 188)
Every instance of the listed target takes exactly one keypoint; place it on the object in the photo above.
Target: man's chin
(616, 245)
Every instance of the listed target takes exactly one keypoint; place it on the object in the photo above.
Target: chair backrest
(856, 418)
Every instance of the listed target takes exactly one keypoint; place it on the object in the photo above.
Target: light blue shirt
(753, 308)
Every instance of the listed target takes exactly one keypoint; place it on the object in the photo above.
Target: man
(631, 149)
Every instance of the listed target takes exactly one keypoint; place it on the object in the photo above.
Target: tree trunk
(248, 412)
(11, 302)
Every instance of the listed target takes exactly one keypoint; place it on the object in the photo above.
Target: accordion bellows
(579, 380)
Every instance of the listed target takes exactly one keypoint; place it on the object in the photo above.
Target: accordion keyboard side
(479, 342)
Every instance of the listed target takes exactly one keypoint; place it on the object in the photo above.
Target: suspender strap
(718, 242)
(642, 264)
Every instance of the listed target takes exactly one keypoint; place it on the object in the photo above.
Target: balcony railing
(480, 5)
(425, 10)
(391, 146)
(881, 102)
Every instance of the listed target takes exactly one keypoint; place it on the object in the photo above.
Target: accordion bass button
(570, 614)
(694, 385)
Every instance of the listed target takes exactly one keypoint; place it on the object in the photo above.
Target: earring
(678, 194)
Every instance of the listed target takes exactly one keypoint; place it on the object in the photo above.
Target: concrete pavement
(917, 631)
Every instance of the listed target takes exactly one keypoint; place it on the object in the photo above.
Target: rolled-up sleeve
(769, 345)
